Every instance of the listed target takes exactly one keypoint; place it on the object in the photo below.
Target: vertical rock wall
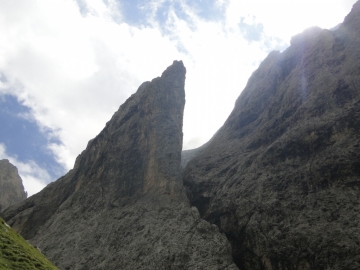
(281, 177)
(123, 206)
(11, 186)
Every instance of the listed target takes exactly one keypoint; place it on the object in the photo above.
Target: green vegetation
(17, 254)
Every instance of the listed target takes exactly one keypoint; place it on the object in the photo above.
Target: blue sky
(67, 65)
(22, 136)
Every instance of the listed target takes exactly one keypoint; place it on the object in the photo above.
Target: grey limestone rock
(11, 186)
(281, 178)
(123, 206)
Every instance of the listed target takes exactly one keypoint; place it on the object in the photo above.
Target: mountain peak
(124, 200)
(177, 68)
(281, 177)
(11, 186)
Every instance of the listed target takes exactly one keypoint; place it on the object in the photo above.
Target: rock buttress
(11, 186)
(281, 177)
(123, 205)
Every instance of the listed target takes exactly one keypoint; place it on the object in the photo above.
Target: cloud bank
(75, 62)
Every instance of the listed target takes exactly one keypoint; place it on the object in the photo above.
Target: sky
(67, 65)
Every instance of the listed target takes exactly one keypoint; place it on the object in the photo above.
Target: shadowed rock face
(11, 187)
(281, 178)
(123, 205)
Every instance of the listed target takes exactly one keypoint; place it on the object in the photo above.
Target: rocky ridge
(11, 186)
(123, 206)
(281, 177)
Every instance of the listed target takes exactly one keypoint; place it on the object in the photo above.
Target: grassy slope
(16, 253)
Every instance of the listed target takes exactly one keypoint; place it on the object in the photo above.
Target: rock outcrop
(123, 206)
(281, 178)
(187, 155)
(11, 186)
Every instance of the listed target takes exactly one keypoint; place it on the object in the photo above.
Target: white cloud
(74, 69)
(34, 178)
(283, 18)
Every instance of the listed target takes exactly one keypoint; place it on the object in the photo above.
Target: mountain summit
(11, 186)
(276, 188)
(281, 177)
(123, 205)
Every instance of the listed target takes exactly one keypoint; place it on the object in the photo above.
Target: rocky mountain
(281, 178)
(11, 186)
(123, 206)
(277, 187)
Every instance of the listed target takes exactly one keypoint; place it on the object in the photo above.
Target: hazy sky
(67, 65)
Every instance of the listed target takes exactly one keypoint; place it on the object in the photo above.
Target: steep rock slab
(11, 186)
(281, 177)
(123, 204)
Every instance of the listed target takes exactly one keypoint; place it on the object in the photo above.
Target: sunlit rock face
(11, 186)
(281, 178)
(123, 206)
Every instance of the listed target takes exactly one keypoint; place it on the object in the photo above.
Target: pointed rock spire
(123, 205)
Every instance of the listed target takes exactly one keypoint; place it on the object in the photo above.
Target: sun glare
(284, 19)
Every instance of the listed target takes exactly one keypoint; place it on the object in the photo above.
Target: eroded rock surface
(123, 206)
(11, 186)
(281, 178)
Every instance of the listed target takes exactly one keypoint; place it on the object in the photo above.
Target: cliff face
(11, 187)
(281, 177)
(123, 205)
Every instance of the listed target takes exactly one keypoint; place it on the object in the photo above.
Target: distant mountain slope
(123, 206)
(16, 253)
(11, 186)
(281, 178)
